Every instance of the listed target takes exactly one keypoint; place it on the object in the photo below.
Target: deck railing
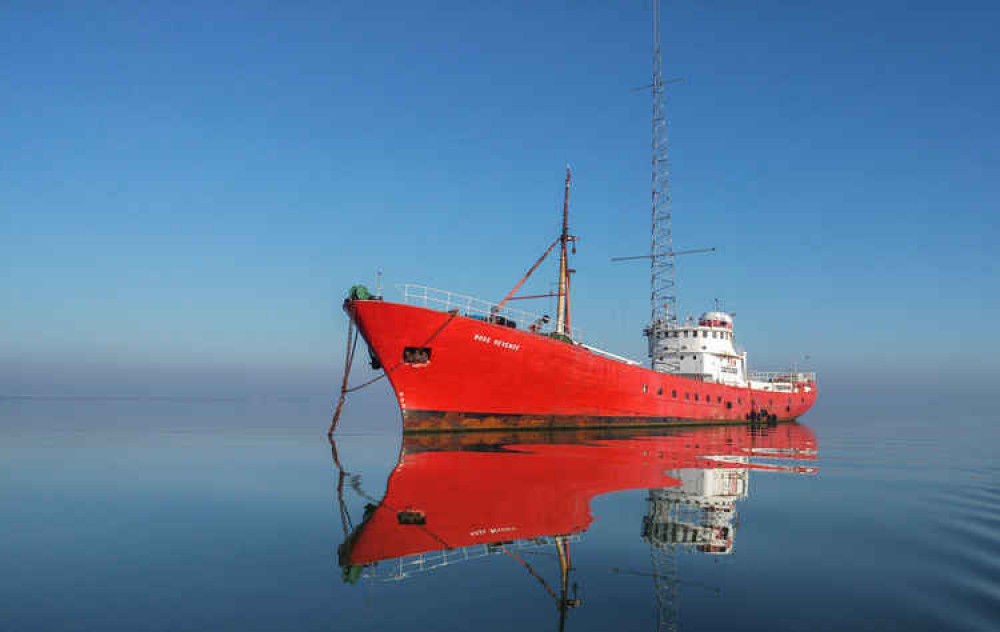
(400, 568)
(782, 376)
(444, 300)
(779, 381)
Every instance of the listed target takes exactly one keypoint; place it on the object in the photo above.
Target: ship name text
(496, 342)
(492, 530)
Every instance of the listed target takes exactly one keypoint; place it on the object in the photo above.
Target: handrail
(398, 569)
(782, 376)
(445, 300)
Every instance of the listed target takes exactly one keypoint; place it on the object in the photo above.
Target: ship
(532, 493)
(456, 362)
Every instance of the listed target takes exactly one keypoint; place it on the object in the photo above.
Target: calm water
(167, 515)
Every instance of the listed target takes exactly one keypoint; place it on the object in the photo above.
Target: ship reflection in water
(456, 497)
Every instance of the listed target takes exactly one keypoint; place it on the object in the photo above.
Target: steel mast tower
(663, 298)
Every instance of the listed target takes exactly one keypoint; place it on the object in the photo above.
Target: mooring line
(352, 346)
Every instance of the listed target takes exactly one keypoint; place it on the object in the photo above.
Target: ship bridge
(702, 349)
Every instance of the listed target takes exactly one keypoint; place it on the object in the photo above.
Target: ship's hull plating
(482, 376)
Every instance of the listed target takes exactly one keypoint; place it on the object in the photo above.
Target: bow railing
(445, 300)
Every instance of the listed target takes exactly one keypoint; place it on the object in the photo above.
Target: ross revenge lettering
(503, 344)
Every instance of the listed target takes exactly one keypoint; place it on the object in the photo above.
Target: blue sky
(188, 190)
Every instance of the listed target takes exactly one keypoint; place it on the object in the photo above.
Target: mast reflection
(456, 497)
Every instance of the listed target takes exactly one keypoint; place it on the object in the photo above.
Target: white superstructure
(701, 511)
(703, 350)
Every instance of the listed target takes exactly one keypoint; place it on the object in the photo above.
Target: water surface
(167, 514)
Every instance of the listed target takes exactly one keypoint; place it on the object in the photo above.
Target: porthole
(718, 398)
(687, 396)
(696, 397)
(659, 391)
(729, 404)
(644, 388)
(673, 394)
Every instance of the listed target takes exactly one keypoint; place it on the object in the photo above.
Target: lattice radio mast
(663, 283)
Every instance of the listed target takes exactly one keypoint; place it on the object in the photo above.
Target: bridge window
(719, 398)
(704, 334)
(644, 388)
(715, 334)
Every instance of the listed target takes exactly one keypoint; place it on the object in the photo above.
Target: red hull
(486, 376)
